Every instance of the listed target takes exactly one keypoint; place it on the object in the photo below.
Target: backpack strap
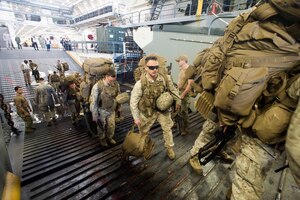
(144, 81)
(234, 27)
(264, 11)
(235, 90)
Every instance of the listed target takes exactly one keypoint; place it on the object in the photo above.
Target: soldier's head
(25, 61)
(19, 89)
(41, 80)
(152, 66)
(54, 72)
(72, 85)
(30, 61)
(110, 76)
(182, 60)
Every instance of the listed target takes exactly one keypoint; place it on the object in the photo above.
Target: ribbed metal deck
(63, 162)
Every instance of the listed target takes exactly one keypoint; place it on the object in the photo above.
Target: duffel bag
(137, 144)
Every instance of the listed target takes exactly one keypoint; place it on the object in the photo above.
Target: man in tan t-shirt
(183, 87)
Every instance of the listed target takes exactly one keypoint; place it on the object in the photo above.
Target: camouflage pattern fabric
(207, 134)
(251, 168)
(292, 145)
(110, 124)
(165, 120)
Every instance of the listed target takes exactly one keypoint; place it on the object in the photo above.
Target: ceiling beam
(61, 9)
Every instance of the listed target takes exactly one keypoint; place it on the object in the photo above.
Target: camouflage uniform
(55, 81)
(207, 134)
(73, 103)
(35, 71)
(45, 99)
(293, 136)
(60, 68)
(102, 106)
(185, 102)
(251, 168)
(148, 117)
(23, 110)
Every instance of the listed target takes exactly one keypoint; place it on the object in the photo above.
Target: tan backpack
(97, 67)
(271, 124)
(240, 88)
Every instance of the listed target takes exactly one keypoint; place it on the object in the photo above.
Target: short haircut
(41, 79)
(111, 72)
(17, 87)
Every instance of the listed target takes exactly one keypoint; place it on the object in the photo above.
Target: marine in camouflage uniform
(73, 102)
(35, 71)
(45, 99)
(183, 88)
(293, 134)
(23, 109)
(54, 80)
(143, 102)
(60, 68)
(103, 107)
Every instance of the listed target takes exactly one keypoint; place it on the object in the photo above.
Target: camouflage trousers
(108, 130)
(184, 113)
(55, 85)
(27, 119)
(251, 167)
(165, 120)
(74, 108)
(207, 134)
(48, 112)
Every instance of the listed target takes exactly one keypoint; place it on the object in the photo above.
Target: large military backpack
(97, 67)
(65, 66)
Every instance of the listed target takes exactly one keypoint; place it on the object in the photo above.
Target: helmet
(289, 9)
(164, 101)
(122, 98)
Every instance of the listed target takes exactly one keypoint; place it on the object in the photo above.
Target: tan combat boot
(195, 164)
(171, 153)
(184, 132)
(103, 142)
(112, 141)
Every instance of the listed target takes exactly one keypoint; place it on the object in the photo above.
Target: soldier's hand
(177, 107)
(137, 122)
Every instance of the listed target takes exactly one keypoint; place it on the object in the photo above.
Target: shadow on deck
(63, 162)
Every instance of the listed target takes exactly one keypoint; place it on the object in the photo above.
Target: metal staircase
(127, 62)
(157, 6)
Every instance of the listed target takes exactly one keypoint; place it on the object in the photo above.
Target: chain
(8, 116)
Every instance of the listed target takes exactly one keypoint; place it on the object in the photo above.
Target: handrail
(217, 17)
